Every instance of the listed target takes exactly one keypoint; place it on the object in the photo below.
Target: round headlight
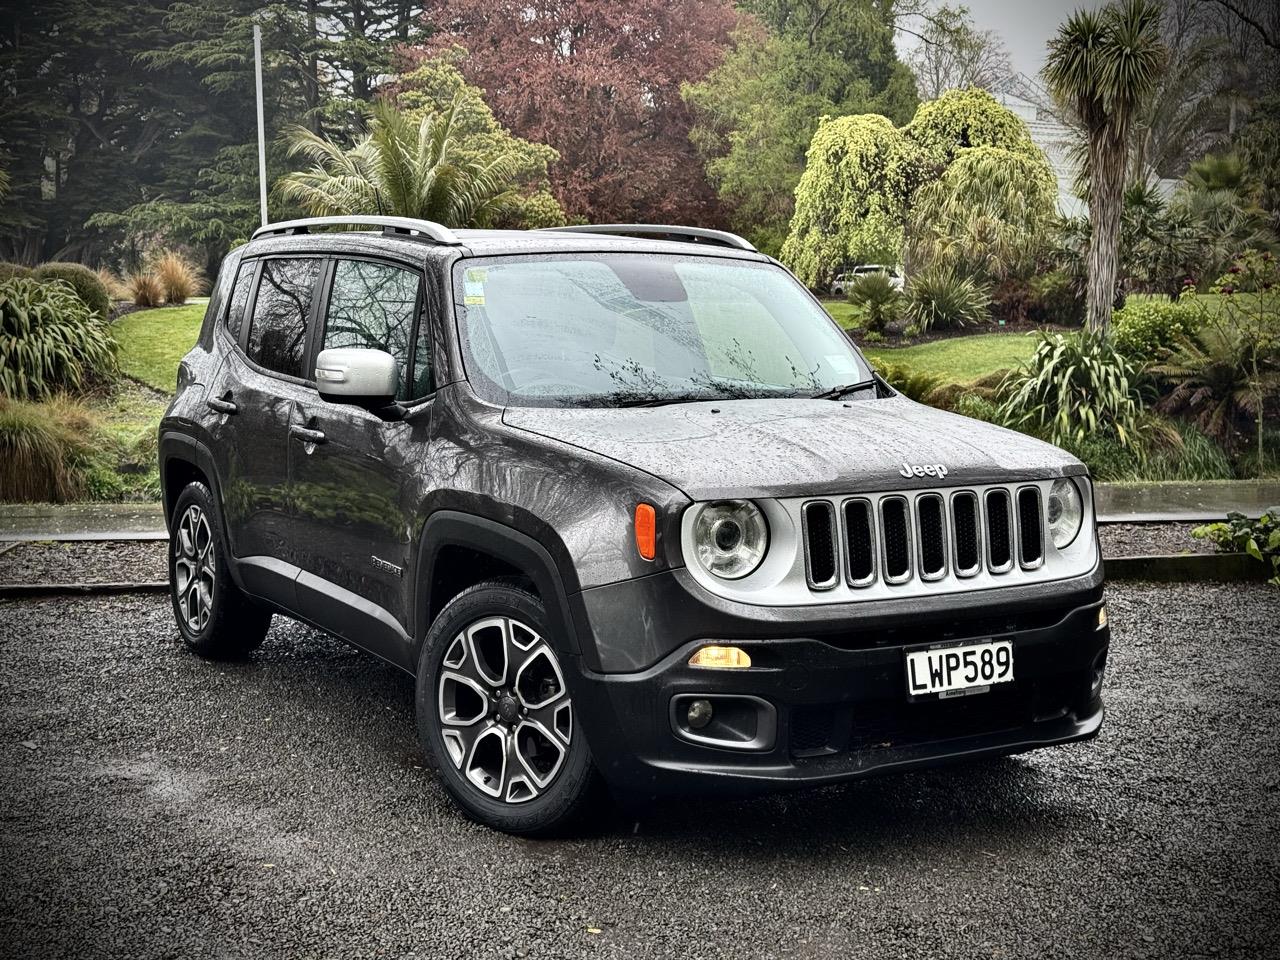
(1066, 512)
(730, 538)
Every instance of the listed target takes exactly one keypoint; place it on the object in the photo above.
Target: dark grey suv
(629, 506)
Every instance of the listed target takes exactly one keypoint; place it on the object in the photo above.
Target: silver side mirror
(357, 375)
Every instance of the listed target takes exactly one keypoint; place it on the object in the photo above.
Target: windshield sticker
(473, 288)
(840, 365)
(477, 275)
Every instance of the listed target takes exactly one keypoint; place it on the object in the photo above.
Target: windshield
(627, 329)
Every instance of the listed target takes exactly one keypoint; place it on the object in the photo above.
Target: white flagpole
(262, 138)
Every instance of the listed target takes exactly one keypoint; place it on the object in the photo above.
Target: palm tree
(1102, 66)
(399, 168)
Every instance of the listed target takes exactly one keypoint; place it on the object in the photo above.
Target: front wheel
(495, 716)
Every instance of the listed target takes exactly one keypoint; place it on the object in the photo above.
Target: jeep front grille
(927, 536)
(885, 544)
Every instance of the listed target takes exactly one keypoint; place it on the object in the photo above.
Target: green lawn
(842, 311)
(960, 359)
(153, 341)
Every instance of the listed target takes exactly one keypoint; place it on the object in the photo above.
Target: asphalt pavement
(155, 805)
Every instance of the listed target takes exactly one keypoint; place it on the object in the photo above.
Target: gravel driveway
(154, 805)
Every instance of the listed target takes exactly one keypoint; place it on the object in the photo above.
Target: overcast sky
(1024, 25)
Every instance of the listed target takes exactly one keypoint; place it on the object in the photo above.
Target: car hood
(789, 447)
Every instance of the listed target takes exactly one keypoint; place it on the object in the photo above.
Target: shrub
(145, 289)
(179, 278)
(1259, 538)
(83, 281)
(1073, 387)
(1146, 330)
(116, 288)
(1196, 457)
(11, 270)
(1254, 272)
(938, 297)
(1013, 301)
(1106, 458)
(875, 293)
(1213, 385)
(1056, 299)
(908, 381)
(43, 458)
(978, 407)
(49, 341)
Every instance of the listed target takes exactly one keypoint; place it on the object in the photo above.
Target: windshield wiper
(843, 390)
(664, 401)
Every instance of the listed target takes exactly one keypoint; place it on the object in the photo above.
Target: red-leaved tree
(598, 80)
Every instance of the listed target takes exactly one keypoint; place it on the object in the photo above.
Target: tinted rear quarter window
(240, 297)
(278, 331)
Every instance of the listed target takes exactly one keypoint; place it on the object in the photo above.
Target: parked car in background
(844, 280)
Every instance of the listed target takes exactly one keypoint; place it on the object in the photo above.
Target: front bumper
(837, 703)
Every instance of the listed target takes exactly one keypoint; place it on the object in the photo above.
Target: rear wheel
(495, 715)
(215, 618)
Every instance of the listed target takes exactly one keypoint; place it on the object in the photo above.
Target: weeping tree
(1102, 67)
(987, 216)
(401, 167)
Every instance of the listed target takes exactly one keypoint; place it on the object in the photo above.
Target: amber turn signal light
(722, 657)
(646, 531)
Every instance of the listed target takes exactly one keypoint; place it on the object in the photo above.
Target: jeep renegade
(631, 509)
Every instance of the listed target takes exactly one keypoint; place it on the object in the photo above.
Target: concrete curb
(1188, 568)
(1183, 502)
(29, 590)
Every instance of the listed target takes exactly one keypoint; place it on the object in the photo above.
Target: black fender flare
(453, 528)
(176, 445)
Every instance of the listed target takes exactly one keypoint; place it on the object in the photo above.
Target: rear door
(257, 395)
(353, 484)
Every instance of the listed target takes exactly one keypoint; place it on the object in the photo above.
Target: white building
(1023, 96)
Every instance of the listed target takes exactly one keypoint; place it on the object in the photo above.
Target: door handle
(222, 406)
(307, 436)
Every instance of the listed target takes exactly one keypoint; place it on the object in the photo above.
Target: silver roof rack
(720, 238)
(407, 225)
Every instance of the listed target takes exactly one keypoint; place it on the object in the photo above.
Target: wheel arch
(184, 459)
(498, 550)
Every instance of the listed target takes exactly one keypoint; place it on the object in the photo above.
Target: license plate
(959, 670)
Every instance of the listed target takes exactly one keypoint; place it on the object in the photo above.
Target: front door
(353, 473)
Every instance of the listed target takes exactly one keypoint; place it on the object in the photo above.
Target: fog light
(723, 657)
(1102, 616)
(700, 713)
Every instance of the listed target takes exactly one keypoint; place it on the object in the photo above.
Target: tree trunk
(1106, 202)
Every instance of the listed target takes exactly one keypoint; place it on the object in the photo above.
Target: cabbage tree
(1102, 66)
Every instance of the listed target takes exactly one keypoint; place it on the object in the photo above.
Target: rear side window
(278, 331)
(240, 297)
(375, 305)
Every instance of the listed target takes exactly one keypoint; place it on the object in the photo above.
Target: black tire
(215, 618)
(481, 618)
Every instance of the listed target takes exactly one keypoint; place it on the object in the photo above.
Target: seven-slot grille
(930, 536)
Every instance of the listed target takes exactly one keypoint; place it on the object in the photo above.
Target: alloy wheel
(505, 714)
(194, 569)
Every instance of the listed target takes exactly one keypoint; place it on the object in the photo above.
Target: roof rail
(407, 225)
(720, 238)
